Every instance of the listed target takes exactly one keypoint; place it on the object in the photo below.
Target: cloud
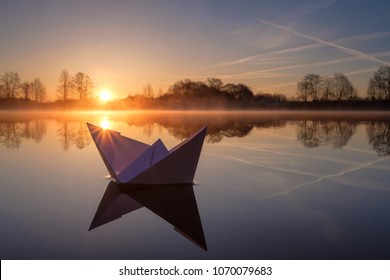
(356, 38)
(313, 6)
(349, 51)
(270, 71)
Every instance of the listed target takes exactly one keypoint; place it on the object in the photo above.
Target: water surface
(269, 185)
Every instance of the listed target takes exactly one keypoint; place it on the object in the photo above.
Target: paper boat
(131, 161)
(176, 204)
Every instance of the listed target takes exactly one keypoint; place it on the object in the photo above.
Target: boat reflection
(176, 204)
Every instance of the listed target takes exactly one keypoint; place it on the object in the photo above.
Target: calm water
(268, 186)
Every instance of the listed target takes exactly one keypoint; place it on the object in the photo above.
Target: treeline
(189, 94)
(14, 92)
(77, 87)
(12, 87)
(313, 87)
(313, 92)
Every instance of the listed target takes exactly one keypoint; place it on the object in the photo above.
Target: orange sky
(123, 45)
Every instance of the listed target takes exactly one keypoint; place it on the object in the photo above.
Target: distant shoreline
(331, 106)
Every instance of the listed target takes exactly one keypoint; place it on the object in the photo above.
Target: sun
(105, 95)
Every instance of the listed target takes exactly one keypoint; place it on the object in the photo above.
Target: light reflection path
(264, 165)
(354, 166)
(329, 159)
(321, 178)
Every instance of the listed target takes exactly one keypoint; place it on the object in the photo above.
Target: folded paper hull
(131, 161)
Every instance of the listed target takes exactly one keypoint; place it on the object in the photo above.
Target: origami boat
(131, 161)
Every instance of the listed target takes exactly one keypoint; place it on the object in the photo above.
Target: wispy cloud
(314, 6)
(349, 51)
(356, 38)
(270, 72)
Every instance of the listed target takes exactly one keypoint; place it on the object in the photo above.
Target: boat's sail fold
(131, 161)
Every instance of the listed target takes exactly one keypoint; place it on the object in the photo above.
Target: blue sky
(123, 45)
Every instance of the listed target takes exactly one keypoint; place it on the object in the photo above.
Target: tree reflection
(9, 136)
(313, 130)
(73, 133)
(315, 133)
(379, 137)
(219, 126)
(13, 132)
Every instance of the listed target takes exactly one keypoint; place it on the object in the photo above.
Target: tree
(239, 92)
(215, 83)
(38, 91)
(83, 86)
(379, 85)
(309, 87)
(342, 88)
(64, 86)
(326, 88)
(26, 90)
(337, 87)
(148, 91)
(9, 85)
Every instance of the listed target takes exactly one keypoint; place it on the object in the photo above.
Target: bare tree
(309, 87)
(337, 87)
(215, 83)
(64, 86)
(9, 85)
(379, 85)
(148, 91)
(38, 91)
(83, 86)
(327, 88)
(342, 87)
(238, 91)
(26, 90)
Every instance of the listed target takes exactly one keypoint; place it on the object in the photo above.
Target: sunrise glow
(105, 95)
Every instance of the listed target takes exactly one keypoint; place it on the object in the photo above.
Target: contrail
(345, 49)
(364, 37)
(268, 72)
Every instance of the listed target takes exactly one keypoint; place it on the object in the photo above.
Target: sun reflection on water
(105, 122)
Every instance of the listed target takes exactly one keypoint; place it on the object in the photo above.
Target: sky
(124, 45)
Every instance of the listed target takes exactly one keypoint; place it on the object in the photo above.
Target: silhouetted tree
(239, 92)
(188, 88)
(309, 86)
(64, 87)
(148, 91)
(215, 83)
(314, 87)
(264, 99)
(38, 91)
(26, 90)
(9, 85)
(342, 88)
(379, 85)
(83, 86)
